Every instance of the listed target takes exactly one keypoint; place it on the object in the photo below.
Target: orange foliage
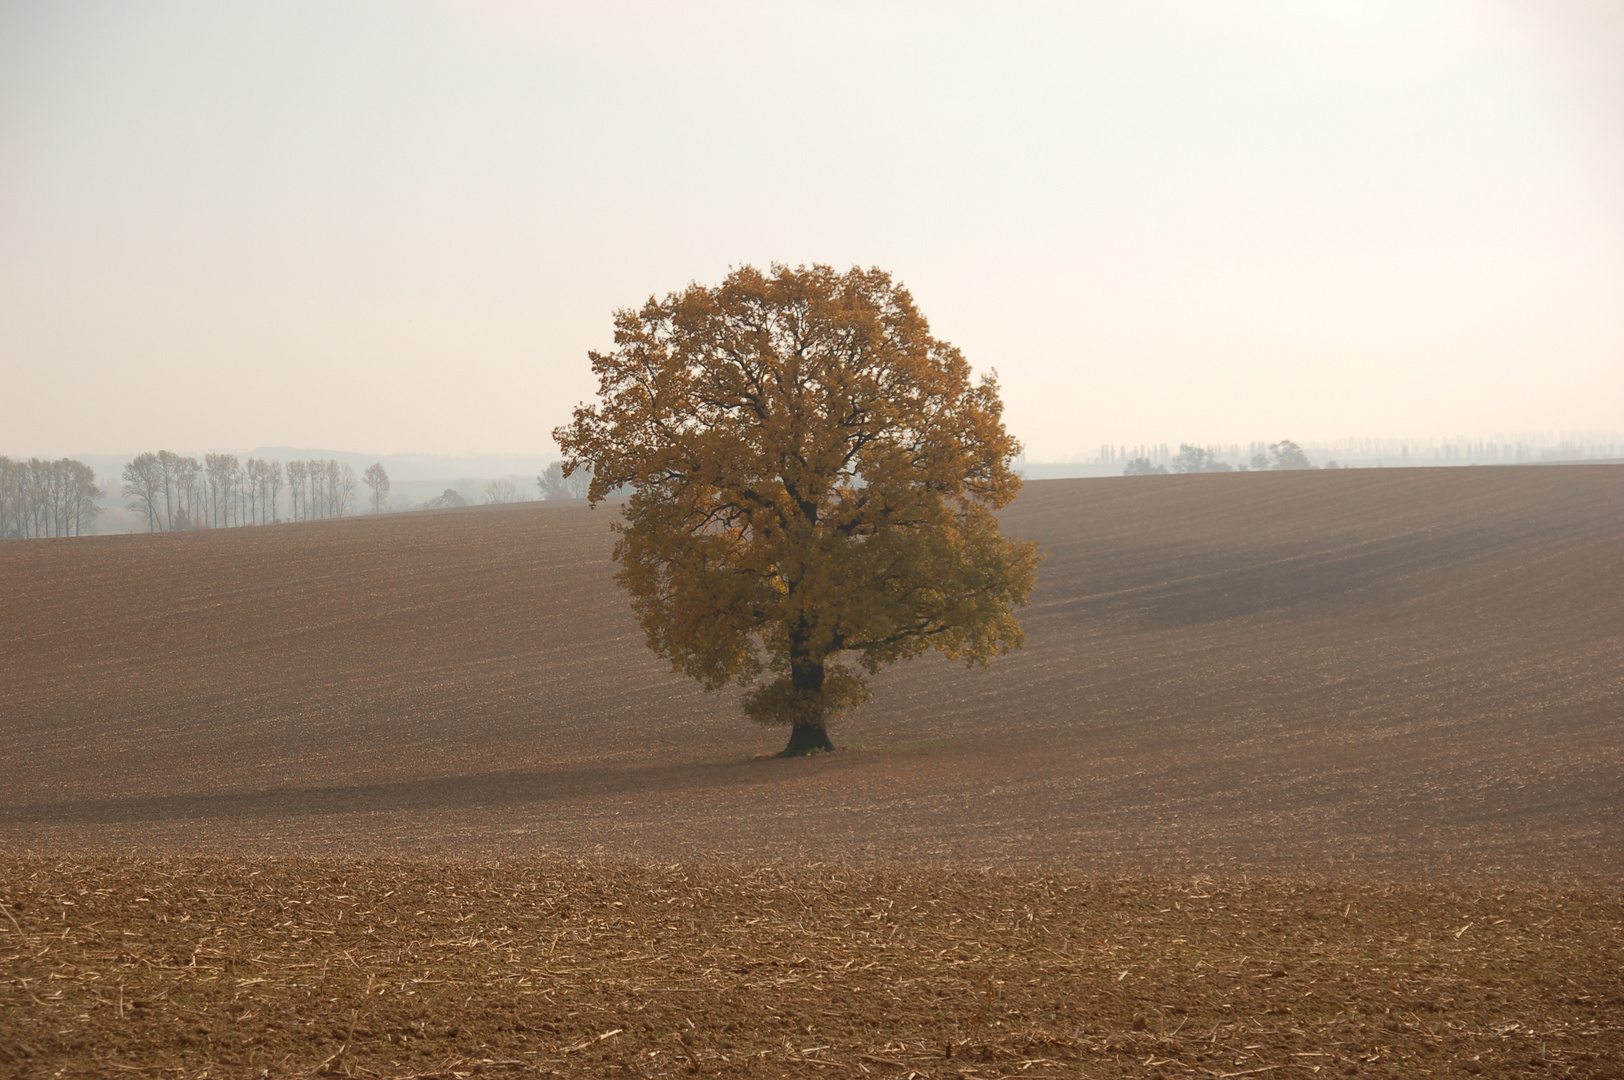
(813, 481)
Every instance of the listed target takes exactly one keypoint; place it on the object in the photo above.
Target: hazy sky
(399, 226)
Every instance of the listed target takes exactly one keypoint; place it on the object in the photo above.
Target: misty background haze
(399, 228)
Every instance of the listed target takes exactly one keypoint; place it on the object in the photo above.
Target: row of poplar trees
(47, 498)
(176, 492)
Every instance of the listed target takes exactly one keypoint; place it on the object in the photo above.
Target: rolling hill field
(1277, 698)
(1392, 670)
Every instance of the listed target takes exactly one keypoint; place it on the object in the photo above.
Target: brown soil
(1376, 671)
(1246, 701)
(413, 969)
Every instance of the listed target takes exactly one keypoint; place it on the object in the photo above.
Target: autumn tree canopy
(813, 478)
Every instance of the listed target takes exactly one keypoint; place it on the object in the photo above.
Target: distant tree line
(47, 498)
(1283, 455)
(175, 492)
(494, 493)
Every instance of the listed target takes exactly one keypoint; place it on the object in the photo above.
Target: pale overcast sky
(398, 226)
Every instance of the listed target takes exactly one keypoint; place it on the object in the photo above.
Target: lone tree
(813, 478)
(377, 479)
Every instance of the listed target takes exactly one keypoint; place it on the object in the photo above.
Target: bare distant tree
(273, 489)
(326, 495)
(315, 507)
(38, 511)
(219, 471)
(187, 478)
(169, 470)
(296, 490)
(144, 486)
(261, 480)
(184, 488)
(11, 498)
(237, 489)
(329, 490)
(269, 485)
(79, 490)
(253, 470)
(319, 498)
(500, 491)
(191, 477)
(342, 478)
(378, 480)
(248, 492)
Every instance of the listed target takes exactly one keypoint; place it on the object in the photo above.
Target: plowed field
(1416, 670)
(1399, 690)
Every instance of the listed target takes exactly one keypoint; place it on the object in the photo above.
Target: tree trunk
(808, 735)
(808, 739)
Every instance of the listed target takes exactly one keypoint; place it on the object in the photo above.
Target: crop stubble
(417, 968)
